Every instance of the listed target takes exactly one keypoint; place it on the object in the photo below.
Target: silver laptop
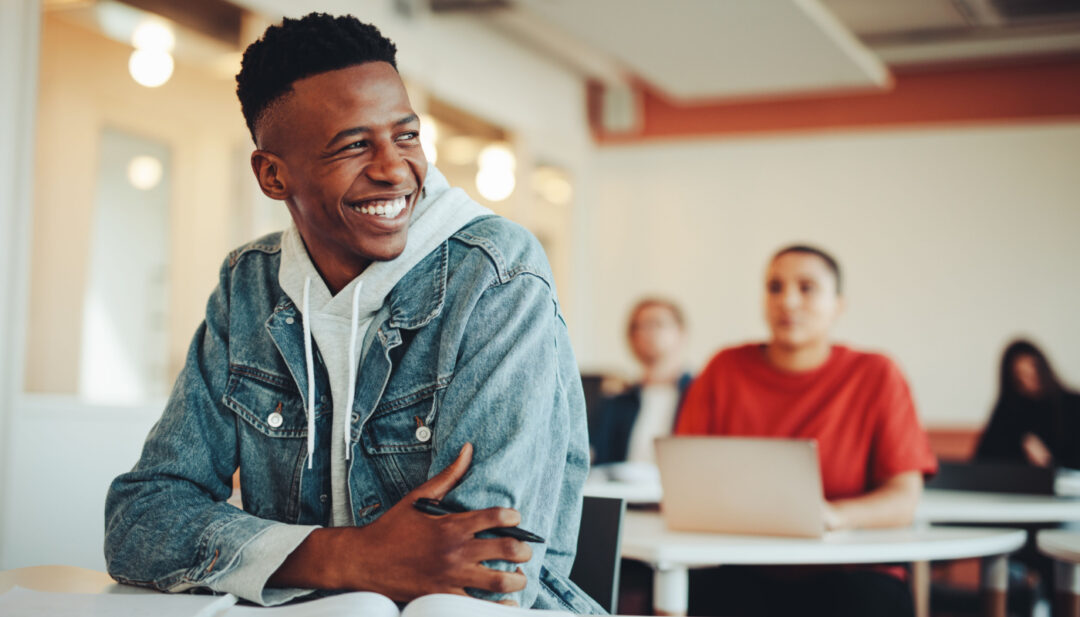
(742, 485)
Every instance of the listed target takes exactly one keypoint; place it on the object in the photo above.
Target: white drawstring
(310, 374)
(352, 368)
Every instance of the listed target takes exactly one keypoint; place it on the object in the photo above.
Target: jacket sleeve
(516, 396)
(167, 523)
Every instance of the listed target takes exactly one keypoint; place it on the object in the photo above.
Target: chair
(596, 568)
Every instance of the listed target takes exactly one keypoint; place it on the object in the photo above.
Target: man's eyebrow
(357, 130)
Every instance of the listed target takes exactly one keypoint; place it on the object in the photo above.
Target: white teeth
(386, 209)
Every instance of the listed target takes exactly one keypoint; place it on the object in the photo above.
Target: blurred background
(653, 147)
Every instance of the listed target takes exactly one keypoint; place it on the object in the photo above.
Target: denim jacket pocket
(268, 403)
(398, 437)
(405, 425)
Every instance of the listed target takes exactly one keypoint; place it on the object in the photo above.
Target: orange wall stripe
(1039, 90)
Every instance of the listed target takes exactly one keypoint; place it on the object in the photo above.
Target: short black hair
(299, 48)
(806, 249)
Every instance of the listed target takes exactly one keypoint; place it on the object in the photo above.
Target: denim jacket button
(423, 434)
(274, 420)
(290, 320)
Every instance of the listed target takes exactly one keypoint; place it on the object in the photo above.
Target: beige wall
(84, 87)
(953, 239)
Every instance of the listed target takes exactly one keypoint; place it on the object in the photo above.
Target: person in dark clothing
(630, 421)
(1036, 419)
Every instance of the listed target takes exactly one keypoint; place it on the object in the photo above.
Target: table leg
(671, 590)
(1067, 584)
(920, 587)
(995, 585)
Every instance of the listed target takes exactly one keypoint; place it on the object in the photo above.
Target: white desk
(64, 579)
(632, 492)
(1064, 547)
(672, 554)
(939, 506)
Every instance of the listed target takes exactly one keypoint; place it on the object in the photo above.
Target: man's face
(655, 334)
(349, 142)
(801, 302)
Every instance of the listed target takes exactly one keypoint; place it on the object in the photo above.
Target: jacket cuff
(252, 564)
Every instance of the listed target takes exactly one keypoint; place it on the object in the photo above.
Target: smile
(385, 208)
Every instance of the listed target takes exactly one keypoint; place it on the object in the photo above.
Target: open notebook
(21, 602)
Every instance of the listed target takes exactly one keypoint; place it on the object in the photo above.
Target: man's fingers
(480, 520)
(499, 581)
(505, 549)
(441, 483)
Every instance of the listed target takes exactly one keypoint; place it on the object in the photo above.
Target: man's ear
(271, 173)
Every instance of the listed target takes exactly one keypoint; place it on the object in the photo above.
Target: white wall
(18, 67)
(953, 240)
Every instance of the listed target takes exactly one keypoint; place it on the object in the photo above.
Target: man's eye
(807, 288)
(411, 135)
(356, 145)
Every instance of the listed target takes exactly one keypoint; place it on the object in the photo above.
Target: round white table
(1064, 547)
(633, 492)
(938, 506)
(672, 553)
(941, 506)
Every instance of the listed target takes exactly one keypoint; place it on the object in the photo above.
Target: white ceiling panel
(696, 49)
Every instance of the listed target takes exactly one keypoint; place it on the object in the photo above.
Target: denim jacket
(470, 343)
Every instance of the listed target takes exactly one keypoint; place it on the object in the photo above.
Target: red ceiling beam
(1046, 89)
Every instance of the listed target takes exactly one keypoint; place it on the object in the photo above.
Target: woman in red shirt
(858, 407)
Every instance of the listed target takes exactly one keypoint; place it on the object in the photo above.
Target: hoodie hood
(337, 323)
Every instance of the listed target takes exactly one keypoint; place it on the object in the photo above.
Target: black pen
(434, 506)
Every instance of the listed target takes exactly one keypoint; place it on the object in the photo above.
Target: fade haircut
(805, 249)
(299, 48)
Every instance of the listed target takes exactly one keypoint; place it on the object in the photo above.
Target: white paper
(20, 602)
(445, 605)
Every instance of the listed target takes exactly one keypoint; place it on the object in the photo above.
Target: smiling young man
(398, 341)
(858, 408)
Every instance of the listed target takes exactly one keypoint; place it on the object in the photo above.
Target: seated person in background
(1036, 420)
(630, 421)
(857, 406)
(398, 341)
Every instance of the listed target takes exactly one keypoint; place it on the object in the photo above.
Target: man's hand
(406, 553)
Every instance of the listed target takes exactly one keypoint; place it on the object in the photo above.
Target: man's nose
(791, 297)
(388, 167)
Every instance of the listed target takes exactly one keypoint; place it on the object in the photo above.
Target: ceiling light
(153, 35)
(144, 172)
(150, 68)
(495, 177)
(429, 134)
(495, 185)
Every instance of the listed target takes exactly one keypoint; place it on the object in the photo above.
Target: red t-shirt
(857, 406)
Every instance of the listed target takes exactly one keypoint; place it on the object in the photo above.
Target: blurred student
(857, 406)
(630, 421)
(1036, 420)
